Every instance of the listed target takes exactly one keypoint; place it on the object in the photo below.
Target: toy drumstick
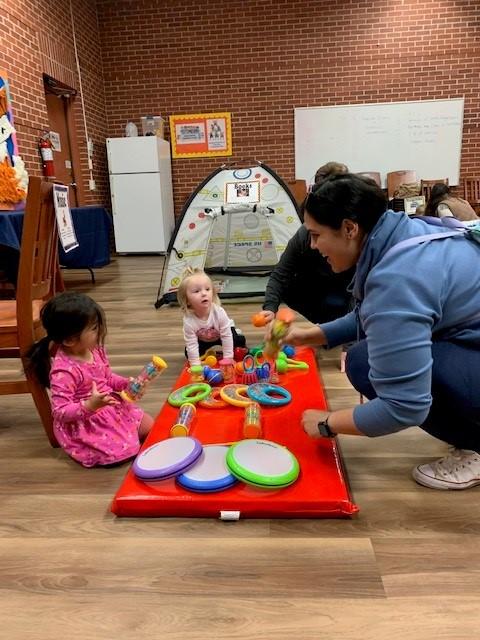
(185, 416)
(252, 425)
(150, 371)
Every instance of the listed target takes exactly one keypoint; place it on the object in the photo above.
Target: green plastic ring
(189, 393)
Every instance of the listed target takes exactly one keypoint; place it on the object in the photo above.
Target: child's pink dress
(100, 437)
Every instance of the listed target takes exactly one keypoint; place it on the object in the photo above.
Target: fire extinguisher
(46, 151)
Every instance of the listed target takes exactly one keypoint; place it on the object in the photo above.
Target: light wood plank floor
(407, 567)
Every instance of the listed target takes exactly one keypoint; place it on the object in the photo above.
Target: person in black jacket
(303, 279)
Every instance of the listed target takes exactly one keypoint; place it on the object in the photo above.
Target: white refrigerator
(142, 197)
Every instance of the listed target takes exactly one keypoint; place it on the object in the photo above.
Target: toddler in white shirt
(205, 322)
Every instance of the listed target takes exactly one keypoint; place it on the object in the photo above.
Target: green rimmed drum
(263, 464)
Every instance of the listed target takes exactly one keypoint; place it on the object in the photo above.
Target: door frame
(68, 95)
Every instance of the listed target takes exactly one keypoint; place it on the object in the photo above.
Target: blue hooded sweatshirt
(407, 299)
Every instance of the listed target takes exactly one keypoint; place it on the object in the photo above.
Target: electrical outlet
(91, 185)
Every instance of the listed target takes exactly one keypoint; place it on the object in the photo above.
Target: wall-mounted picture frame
(200, 135)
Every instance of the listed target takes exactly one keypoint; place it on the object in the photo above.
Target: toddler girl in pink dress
(91, 422)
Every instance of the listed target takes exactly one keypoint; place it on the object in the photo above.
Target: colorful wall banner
(200, 135)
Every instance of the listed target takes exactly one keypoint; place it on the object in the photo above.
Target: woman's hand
(98, 400)
(310, 420)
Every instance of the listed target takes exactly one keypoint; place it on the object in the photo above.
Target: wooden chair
(396, 178)
(374, 175)
(426, 186)
(471, 191)
(298, 189)
(38, 279)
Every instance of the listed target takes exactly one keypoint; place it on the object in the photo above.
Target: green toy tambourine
(192, 393)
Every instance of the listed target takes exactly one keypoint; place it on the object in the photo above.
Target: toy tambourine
(210, 473)
(263, 464)
(269, 394)
(189, 393)
(167, 458)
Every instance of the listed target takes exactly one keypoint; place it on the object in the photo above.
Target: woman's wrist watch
(324, 429)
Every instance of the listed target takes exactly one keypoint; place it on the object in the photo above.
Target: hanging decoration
(13, 176)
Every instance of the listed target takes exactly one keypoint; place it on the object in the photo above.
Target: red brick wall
(36, 37)
(259, 59)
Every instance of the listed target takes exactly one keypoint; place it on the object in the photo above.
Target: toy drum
(263, 464)
(167, 458)
(210, 472)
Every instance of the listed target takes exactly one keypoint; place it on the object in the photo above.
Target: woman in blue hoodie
(416, 323)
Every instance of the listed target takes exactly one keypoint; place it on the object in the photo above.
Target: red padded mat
(320, 491)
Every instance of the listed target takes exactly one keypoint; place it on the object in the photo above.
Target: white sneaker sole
(435, 483)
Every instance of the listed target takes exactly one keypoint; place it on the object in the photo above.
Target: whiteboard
(425, 136)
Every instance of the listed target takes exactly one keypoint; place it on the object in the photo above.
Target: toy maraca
(280, 326)
(185, 416)
(284, 364)
(150, 371)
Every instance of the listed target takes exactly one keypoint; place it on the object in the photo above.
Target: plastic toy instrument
(280, 325)
(185, 417)
(252, 424)
(136, 387)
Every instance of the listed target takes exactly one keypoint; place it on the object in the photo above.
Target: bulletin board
(424, 135)
(199, 135)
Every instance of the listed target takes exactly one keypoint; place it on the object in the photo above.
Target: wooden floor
(408, 566)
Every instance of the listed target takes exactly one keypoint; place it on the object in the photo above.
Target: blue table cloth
(92, 227)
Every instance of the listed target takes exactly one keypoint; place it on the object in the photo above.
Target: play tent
(236, 226)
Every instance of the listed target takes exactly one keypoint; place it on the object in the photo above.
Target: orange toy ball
(258, 320)
(285, 315)
(239, 367)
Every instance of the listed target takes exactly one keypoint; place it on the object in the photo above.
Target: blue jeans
(454, 416)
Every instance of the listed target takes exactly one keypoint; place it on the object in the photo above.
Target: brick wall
(260, 58)
(36, 37)
(257, 59)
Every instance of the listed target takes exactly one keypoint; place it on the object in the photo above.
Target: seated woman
(442, 204)
(419, 359)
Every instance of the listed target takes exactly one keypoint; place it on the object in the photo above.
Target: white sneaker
(459, 470)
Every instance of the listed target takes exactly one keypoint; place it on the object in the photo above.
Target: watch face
(324, 429)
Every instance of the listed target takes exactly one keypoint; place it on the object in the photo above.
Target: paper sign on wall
(66, 230)
(201, 135)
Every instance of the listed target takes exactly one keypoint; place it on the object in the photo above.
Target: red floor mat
(320, 491)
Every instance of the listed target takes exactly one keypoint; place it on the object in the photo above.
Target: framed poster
(201, 135)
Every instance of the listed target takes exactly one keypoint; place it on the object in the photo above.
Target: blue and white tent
(235, 226)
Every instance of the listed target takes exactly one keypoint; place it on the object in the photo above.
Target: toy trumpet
(136, 387)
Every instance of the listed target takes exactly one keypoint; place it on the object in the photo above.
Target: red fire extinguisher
(46, 151)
